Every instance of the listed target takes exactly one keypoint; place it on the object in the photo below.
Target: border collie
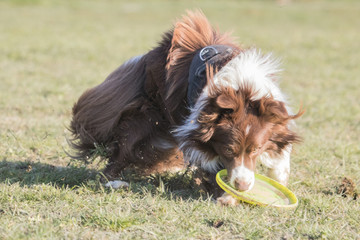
(196, 98)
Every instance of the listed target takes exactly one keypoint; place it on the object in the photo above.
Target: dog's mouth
(242, 178)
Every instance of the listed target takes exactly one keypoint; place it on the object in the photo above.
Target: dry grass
(51, 51)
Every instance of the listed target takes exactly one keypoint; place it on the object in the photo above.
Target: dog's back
(99, 109)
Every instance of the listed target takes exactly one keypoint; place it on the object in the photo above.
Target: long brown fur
(130, 115)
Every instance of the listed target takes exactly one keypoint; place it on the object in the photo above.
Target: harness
(197, 72)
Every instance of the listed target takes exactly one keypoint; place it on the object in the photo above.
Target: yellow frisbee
(266, 192)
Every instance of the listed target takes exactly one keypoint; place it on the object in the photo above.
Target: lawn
(51, 51)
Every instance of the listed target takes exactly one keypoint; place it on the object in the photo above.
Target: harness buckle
(208, 52)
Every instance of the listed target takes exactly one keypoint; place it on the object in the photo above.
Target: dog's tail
(98, 110)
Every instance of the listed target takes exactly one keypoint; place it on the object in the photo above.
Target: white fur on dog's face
(243, 174)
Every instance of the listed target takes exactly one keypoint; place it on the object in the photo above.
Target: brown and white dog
(198, 98)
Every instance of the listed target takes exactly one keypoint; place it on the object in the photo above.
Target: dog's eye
(228, 111)
(228, 151)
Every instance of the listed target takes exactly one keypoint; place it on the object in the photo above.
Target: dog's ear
(207, 121)
(211, 114)
(282, 137)
(225, 101)
(274, 111)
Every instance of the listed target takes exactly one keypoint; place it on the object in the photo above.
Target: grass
(51, 51)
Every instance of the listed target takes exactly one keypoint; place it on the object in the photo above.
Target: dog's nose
(241, 185)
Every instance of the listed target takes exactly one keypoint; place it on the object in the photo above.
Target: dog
(198, 98)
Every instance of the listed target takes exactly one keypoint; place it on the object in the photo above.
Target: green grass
(51, 51)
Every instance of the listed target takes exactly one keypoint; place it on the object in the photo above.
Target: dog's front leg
(206, 182)
(279, 167)
(227, 200)
(113, 169)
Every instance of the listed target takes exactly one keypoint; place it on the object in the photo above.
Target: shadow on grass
(167, 185)
(30, 173)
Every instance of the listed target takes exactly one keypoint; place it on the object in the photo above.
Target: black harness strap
(197, 72)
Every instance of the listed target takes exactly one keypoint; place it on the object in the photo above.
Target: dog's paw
(117, 184)
(227, 200)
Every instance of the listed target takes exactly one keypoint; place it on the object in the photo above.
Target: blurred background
(52, 51)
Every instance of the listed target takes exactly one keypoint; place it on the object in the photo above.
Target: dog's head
(238, 129)
(240, 115)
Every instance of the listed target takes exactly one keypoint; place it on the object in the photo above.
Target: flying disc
(266, 192)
